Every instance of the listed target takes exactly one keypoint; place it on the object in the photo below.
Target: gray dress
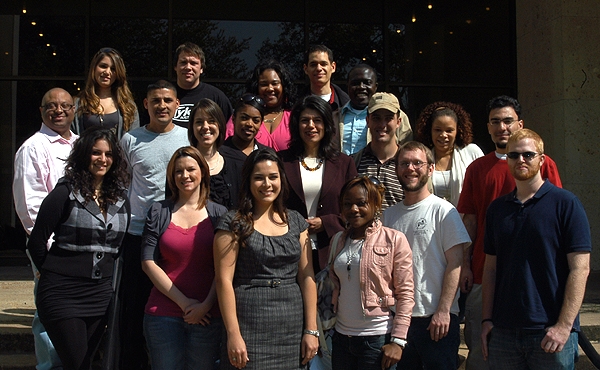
(268, 299)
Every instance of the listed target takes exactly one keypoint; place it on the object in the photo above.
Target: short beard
(501, 145)
(422, 182)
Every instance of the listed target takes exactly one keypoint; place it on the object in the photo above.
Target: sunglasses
(371, 178)
(526, 155)
(249, 98)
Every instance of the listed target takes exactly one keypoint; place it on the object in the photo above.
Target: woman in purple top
(182, 323)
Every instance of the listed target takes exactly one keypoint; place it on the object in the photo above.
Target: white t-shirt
(432, 226)
(351, 319)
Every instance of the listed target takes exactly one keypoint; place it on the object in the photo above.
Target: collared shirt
(355, 129)
(39, 164)
(385, 172)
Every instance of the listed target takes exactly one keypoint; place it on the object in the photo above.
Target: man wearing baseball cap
(388, 127)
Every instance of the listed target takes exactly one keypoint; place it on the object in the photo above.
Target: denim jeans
(45, 354)
(174, 344)
(358, 352)
(422, 352)
(521, 349)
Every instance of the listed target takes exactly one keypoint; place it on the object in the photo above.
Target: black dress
(269, 304)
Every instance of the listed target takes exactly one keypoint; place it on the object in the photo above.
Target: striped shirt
(385, 172)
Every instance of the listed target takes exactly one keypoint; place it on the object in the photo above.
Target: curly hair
(212, 110)
(192, 152)
(288, 86)
(77, 168)
(89, 101)
(464, 126)
(327, 147)
(242, 224)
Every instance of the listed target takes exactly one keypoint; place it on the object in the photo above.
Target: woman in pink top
(271, 81)
(182, 322)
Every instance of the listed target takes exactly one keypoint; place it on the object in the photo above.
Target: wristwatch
(398, 341)
(311, 332)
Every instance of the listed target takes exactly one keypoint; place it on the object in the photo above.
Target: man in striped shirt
(378, 157)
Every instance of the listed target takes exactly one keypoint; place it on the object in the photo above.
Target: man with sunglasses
(537, 245)
(39, 163)
(486, 179)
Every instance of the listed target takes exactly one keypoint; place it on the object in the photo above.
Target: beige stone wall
(558, 63)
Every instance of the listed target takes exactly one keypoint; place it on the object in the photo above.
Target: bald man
(39, 163)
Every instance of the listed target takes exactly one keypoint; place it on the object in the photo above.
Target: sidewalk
(17, 308)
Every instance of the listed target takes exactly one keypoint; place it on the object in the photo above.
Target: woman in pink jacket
(372, 269)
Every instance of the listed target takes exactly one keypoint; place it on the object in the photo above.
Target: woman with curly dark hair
(447, 130)
(88, 212)
(265, 280)
(271, 81)
(106, 99)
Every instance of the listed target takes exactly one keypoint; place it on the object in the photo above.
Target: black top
(232, 172)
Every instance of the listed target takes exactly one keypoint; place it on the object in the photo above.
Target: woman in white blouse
(447, 129)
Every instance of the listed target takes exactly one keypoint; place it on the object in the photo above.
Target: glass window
(51, 46)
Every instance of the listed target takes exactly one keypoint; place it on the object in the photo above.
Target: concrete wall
(558, 67)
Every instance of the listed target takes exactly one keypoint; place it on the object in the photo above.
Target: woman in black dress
(265, 280)
(88, 212)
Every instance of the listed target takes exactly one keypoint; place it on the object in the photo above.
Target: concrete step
(18, 362)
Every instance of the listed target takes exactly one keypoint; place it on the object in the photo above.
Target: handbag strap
(333, 246)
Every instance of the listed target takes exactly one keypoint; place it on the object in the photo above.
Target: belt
(271, 283)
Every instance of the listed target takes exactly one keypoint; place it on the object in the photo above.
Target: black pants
(134, 291)
(76, 340)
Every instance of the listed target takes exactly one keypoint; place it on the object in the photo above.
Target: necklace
(446, 187)
(272, 120)
(319, 164)
(350, 255)
(217, 162)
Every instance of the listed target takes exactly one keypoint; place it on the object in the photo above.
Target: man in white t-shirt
(437, 237)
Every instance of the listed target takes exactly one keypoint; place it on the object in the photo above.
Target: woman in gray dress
(264, 274)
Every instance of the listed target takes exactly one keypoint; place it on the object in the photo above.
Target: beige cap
(384, 101)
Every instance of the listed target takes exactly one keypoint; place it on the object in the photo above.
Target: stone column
(558, 63)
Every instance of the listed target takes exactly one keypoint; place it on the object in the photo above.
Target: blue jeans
(45, 354)
(358, 352)
(422, 352)
(521, 349)
(174, 344)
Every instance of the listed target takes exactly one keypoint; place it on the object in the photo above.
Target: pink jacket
(386, 276)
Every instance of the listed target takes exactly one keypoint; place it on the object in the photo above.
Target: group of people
(195, 236)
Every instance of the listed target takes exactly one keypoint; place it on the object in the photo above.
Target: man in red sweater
(486, 179)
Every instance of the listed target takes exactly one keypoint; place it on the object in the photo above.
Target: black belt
(271, 283)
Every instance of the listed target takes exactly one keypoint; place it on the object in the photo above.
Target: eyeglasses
(249, 98)
(506, 121)
(416, 165)
(50, 107)
(528, 156)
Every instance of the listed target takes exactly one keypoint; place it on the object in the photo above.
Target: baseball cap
(383, 101)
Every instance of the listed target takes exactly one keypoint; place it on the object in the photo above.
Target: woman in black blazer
(316, 172)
